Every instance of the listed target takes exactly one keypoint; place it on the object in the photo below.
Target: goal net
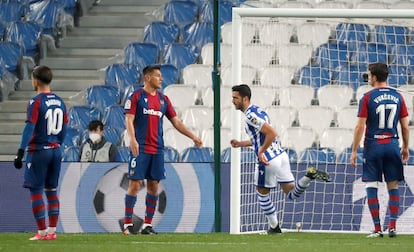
(306, 69)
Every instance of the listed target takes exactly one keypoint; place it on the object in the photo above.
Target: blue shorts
(42, 169)
(382, 159)
(146, 166)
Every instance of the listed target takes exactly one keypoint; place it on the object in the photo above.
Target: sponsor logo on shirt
(151, 112)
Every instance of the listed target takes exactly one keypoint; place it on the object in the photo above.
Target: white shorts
(278, 171)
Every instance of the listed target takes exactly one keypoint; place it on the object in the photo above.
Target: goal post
(318, 199)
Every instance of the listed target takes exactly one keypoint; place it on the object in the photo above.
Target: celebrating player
(379, 112)
(273, 163)
(43, 133)
(145, 109)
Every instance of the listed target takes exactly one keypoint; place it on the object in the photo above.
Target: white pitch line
(190, 243)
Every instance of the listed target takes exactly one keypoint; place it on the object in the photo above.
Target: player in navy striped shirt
(145, 110)
(273, 165)
(380, 111)
(43, 133)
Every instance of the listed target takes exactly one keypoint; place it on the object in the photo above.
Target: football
(109, 201)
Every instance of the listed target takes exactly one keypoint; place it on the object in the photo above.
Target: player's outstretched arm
(179, 125)
(237, 144)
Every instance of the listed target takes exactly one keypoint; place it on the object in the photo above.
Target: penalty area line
(189, 243)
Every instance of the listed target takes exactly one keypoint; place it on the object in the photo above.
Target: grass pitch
(332, 242)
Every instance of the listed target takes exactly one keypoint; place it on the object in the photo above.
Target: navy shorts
(382, 159)
(146, 166)
(42, 169)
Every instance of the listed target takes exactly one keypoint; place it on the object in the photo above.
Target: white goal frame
(238, 14)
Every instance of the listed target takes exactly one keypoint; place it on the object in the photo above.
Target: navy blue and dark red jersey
(47, 112)
(149, 111)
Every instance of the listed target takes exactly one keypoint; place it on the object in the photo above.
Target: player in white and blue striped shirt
(273, 165)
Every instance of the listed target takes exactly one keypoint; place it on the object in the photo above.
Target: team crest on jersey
(146, 100)
(254, 121)
(31, 101)
(127, 104)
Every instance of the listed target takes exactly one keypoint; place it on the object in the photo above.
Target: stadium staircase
(86, 50)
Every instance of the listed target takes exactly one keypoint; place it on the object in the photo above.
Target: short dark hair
(149, 69)
(95, 124)
(243, 89)
(42, 74)
(380, 70)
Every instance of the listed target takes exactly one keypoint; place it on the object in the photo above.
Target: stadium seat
(369, 53)
(182, 96)
(407, 92)
(277, 76)
(122, 75)
(313, 33)
(178, 141)
(361, 90)
(114, 116)
(170, 75)
(225, 97)
(402, 55)
(199, 117)
(350, 75)
(198, 34)
(10, 56)
(225, 156)
(161, 34)
(351, 34)
(71, 154)
(331, 55)
(298, 138)
(337, 4)
(8, 83)
(207, 54)
(207, 136)
(411, 157)
(102, 96)
(171, 155)
(391, 35)
(302, 54)
(314, 155)
(263, 96)
(180, 13)
(11, 11)
(258, 55)
(248, 76)
(268, 30)
(281, 117)
(292, 154)
(180, 55)
(80, 116)
(206, 11)
(122, 155)
(347, 117)
(250, 33)
(335, 96)
(247, 155)
(345, 155)
(141, 54)
(198, 75)
(197, 155)
(336, 138)
(316, 117)
(298, 96)
(72, 138)
(372, 4)
(295, 4)
(113, 134)
(398, 75)
(27, 35)
(314, 76)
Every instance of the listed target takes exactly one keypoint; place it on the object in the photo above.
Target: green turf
(286, 242)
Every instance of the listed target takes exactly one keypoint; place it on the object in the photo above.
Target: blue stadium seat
(398, 75)
(369, 53)
(27, 35)
(80, 116)
(197, 155)
(402, 55)
(350, 75)
(248, 155)
(198, 34)
(411, 158)
(343, 157)
(314, 75)
(122, 75)
(11, 11)
(351, 34)
(123, 154)
(72, 138)
(225, 156)
(293, 156)
(206, 11)
(391, 35)
(71, 154)
(332, 55)
(180, 13)
(102, 96)
(317, 156)
(141, 54)
(170, 75)
(10, 56)
(161, 34)
(171, 155)
(113, 134)
(180, 55)
(114, 116)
